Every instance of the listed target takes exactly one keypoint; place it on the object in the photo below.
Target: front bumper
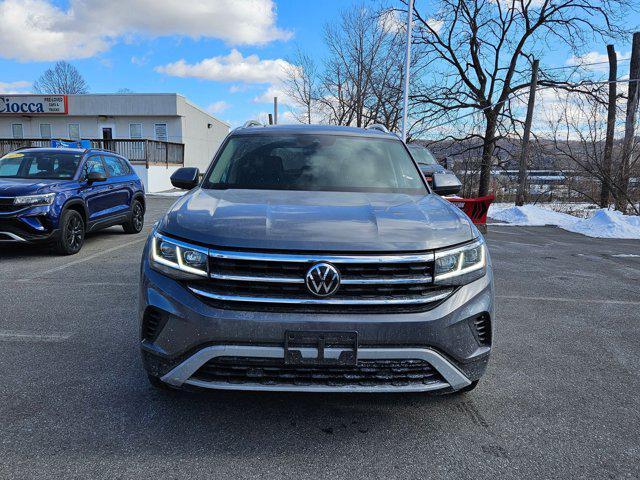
(29, 225)
(192, 332)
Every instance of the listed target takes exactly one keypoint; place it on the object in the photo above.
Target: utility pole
(524, 155)
(407, 60)
(630, 124)
(275, 110)
(605, 192)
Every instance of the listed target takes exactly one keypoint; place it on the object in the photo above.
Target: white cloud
(15, 87)
(394, 21)
(218, 107)
(38, 30)
(595, 57)
(274, 90)
(140, 60)
(229, 68)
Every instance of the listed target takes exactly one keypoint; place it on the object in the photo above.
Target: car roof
(313, 129)
(70, 150)
(52, 150)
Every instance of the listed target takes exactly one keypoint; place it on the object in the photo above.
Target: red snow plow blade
(475, 208)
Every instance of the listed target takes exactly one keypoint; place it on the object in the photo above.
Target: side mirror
(96, 177)
(445, 184)
(185, 178)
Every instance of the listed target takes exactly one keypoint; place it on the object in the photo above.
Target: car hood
(316, 221)
(12, 187)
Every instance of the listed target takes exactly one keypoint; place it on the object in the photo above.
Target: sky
(223, 55)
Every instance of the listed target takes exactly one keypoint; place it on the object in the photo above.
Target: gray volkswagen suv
(315, 259)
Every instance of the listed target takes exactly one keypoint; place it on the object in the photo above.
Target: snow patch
(603, 223)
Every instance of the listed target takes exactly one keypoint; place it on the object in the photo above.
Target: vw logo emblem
(323, 279)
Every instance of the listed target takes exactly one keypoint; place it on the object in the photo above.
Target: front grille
(224, 266)
(267, 371)
(276, 282)
(7, 205)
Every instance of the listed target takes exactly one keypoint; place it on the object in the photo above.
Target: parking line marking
(566, 299)
(56, 281)
(82, 260)
(12, 336)
(495, 240)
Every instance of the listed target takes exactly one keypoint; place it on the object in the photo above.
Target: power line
(585, 65)
(513, 97)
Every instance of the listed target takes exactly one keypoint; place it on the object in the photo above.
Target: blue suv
(57, 195)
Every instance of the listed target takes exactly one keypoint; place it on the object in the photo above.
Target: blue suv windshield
(40, 165)
(315, 162)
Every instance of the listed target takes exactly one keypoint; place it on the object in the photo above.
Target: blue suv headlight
(34, 200)
(178, 259)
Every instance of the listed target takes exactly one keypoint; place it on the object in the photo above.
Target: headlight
(178, 259)
(460, 265)
(34, 200)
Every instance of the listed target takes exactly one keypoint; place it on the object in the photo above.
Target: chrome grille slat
(309, 258)
(425, 299)
(344, 281)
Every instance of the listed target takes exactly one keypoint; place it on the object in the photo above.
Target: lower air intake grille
(153, 322)
(482, 324)
(264, 371)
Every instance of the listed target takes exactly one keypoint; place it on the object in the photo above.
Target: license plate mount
(320, 348)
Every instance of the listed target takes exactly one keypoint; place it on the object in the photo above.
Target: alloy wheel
(75, 232)
(138, 217)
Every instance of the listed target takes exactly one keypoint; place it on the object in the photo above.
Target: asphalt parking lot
(560, 399)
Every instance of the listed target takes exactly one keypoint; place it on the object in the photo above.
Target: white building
(157, 132)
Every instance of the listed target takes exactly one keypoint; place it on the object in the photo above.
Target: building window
(74, 131)
(45, 130)
(161, 131)
(135, 130)
(16, 130)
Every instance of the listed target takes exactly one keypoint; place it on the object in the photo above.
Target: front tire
(136, 222)
(72, 231)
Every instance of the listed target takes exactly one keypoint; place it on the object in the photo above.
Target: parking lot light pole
(407, 60)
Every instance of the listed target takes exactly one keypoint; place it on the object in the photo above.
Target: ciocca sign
(33, 104)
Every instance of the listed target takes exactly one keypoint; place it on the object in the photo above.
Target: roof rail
(252, 123)
(379, 127)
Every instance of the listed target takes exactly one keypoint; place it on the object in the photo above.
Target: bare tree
(301, 84)
(607, 160)
(479, 54)
(360, 81)
(579, 143)
(62, 79)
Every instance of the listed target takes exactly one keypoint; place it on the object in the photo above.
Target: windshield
(422, 155)
(316, 163)
(50, 165)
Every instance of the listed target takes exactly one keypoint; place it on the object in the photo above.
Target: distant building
(158, 132)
